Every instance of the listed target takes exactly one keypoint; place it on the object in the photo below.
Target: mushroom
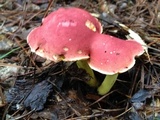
(65, 36)
(110, 55)
(72, 34)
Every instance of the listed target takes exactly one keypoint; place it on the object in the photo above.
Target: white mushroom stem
(84, 65)
(107, 84)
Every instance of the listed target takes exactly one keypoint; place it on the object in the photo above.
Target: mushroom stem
(84, 65)
(107, 84)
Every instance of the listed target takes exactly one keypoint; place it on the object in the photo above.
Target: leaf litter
(34, 88)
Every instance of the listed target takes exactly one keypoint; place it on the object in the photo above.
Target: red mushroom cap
(110, 55)
(64, 35)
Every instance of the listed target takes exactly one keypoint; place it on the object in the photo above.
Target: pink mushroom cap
(64, 35)
(110, 55)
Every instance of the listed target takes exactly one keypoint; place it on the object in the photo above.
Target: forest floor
(33, 88)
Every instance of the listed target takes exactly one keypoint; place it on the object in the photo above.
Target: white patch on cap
(65, 49)
(79, 51)
(112, 52)
(90, 25)
(111, 36)
(68, 23)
